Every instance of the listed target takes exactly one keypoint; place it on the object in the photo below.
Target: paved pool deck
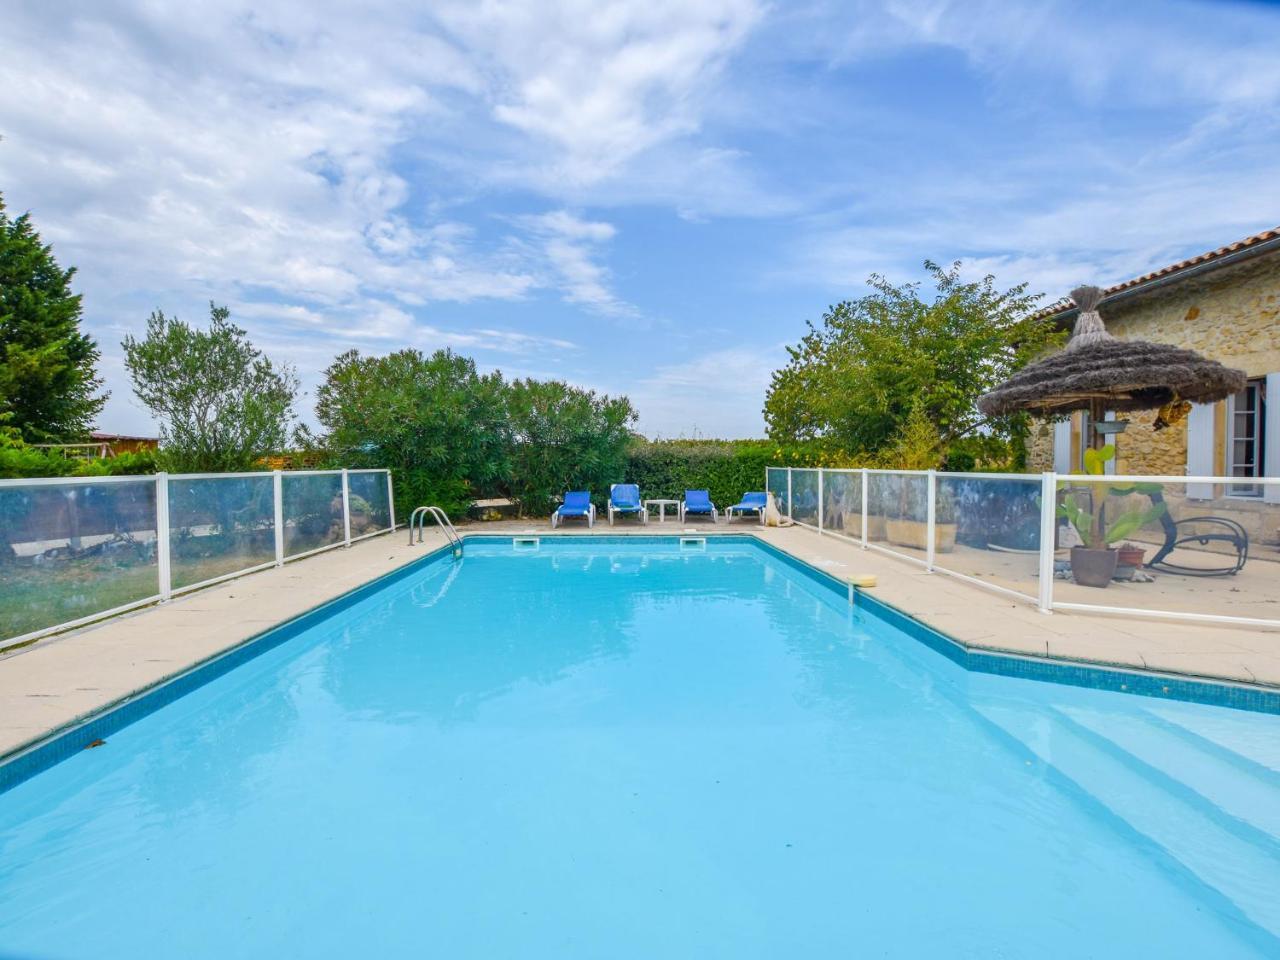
(67, 678)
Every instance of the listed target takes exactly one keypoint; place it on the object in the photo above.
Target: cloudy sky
(647, 197)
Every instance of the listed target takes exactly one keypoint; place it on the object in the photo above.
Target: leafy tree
(565, 438)
(438, 423)
(853, 381)
(48, 384)
(221, 404)
(917, 445)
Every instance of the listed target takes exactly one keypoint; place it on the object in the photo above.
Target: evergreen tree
(49, 389)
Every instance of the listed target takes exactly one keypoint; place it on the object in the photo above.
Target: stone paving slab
(64, 679)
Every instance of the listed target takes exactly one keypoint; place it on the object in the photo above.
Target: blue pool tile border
(26, 762)
(1161, 686)
(59, 745)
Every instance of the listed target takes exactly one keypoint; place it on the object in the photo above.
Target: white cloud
(569, 243)
(717, 394)
(253, 154)
(388, 173)
(598, 82)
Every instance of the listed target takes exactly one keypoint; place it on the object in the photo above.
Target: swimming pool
(627, 748)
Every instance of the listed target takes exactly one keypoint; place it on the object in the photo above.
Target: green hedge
(727, 468)
(20, 462)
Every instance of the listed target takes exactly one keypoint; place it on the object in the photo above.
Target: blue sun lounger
(698, 502)
(625, 498)
(577, 503)
(750, 501)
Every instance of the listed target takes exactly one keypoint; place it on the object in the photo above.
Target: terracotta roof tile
(1065, 304)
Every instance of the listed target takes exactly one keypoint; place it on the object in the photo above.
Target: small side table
(662, 507)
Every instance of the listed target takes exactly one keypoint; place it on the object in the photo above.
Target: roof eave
(1177, 276)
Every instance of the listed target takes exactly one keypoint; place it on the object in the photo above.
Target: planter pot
(915, 533)
(1131, 556)
(876, 527)
(1093, 568)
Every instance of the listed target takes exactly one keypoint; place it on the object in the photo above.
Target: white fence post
(346, 509)
(931, 517)
(788, 493)
(391, 501)
(820, 472)
(1048, 523)
(277, 491)
(162, 535)
(865, 477)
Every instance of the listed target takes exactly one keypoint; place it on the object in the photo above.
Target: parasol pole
(1097, 413)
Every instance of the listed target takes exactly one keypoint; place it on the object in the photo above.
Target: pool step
(1240, 737)
(1189, 830)
(1205, 772)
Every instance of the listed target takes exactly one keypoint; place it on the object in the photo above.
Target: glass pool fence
(1187, 548)
(74, 549)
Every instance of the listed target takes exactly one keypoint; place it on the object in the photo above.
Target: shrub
(564, 438)
(439, 425)
(727, 468)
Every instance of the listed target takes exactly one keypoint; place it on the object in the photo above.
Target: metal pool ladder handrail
(419, 517)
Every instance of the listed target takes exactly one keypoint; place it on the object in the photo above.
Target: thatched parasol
(1097, 372)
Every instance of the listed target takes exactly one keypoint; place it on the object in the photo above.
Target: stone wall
(1231, 315)
(1040, 446)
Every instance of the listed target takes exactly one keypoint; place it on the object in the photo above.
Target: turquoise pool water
(604, 749)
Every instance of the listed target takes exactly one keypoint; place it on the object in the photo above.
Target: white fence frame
(1044, 599)
(164, 587)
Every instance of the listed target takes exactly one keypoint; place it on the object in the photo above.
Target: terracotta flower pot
(1093, 568)
(1131, 556)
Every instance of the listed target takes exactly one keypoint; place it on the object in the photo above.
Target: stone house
(1225, 304)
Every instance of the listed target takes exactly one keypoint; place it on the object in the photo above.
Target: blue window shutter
(1200, 449)
(1110, 465)
(1062, 447)
(1271, 438)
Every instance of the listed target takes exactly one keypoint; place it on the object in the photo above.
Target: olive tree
(222, 405)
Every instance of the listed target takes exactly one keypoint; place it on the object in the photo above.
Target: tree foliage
(565, 438)
(221, 404)
(434, 420)
(854, 380)
(48, 384)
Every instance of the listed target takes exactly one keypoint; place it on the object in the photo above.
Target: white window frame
(1086, 441)
(1257, 384)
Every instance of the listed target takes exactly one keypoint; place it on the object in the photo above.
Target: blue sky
(648, 197)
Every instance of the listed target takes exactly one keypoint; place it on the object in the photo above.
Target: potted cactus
(1093, 564)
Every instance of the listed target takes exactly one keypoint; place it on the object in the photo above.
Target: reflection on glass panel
(777, 485)
(1204, 554)
(804, 496)
(312, 511)
(989, 528)
(897, 512)
(68, 551)
(219, 525)
(842, 502)
(370, 508)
